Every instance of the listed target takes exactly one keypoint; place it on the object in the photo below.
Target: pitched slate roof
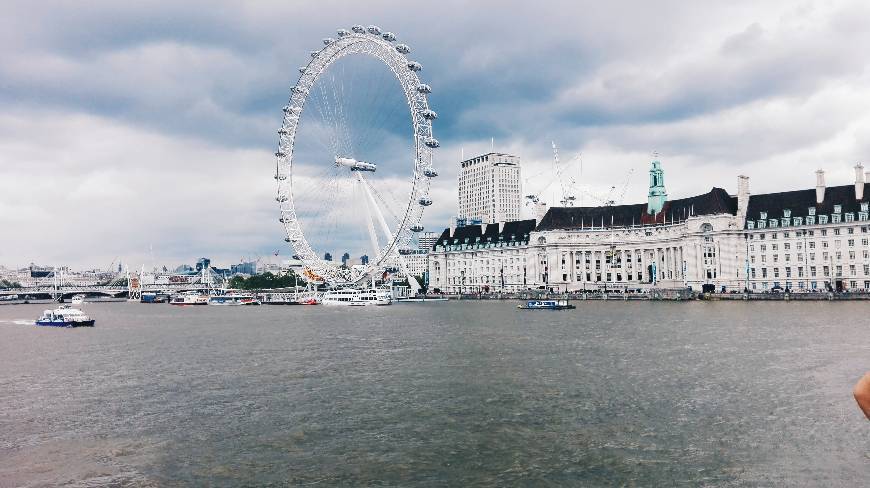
(517, 230)
(800, 201)
(717, 201)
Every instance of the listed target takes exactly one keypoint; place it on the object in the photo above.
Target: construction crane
(567, 197)
(611, 200)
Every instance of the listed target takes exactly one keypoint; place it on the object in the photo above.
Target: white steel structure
(388, 230)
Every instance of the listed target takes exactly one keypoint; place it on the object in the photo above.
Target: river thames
(437, 394)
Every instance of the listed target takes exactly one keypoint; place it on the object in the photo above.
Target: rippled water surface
(437, 394)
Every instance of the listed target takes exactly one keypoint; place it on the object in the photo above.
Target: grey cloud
(109, 108)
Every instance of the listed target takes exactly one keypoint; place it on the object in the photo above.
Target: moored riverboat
(233, 299)
(154, 297)
(190, 298)
(357, 298)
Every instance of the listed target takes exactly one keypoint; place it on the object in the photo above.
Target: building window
(850, 217)
(838, 209)
(823, 219)
(763, 216)
(811, 220)
(811, 211)
(786, 213)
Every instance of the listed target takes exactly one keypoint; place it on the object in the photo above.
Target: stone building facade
(812, 239)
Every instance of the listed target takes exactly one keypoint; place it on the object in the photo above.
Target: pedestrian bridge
(114, 291)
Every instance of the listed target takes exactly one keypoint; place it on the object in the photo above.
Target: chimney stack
(859, 181)
(820, 186)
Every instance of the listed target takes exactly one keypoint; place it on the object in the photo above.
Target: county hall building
(815, 239)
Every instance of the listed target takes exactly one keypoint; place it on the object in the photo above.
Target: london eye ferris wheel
(355, 156)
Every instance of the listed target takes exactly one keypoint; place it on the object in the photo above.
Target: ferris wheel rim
(383, 47)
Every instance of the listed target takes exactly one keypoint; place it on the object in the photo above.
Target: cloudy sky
(144, 131)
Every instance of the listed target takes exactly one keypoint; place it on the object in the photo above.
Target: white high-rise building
(490, 189)
(427, 240)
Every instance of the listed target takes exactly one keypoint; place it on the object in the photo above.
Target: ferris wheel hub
(355, 165)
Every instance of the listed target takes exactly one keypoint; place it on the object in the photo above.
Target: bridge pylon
(134, 287)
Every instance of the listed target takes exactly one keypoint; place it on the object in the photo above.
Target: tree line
(265, 281)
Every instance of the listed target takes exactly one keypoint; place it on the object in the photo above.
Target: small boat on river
(65, 316)
(546, 305)
(233, 299)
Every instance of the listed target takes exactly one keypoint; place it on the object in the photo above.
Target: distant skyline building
(248, 268)
(203, 263)
(490, 188)
(426, 240)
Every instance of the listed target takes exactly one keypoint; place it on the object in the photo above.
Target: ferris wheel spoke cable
(374, 120)
(384, 201)
(324, 127)
(316, 186)
(331, 218)
(344, 132)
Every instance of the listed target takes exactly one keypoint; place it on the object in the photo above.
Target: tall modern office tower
(426, 240)
(490, 189)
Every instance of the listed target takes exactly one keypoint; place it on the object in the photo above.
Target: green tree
(265, 281)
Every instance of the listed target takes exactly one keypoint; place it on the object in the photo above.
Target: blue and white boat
(65, 316)
(546, 305)
(233, 299)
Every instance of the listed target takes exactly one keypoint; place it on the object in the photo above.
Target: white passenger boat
(357, 298)
(78, 299)
(189, 298)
